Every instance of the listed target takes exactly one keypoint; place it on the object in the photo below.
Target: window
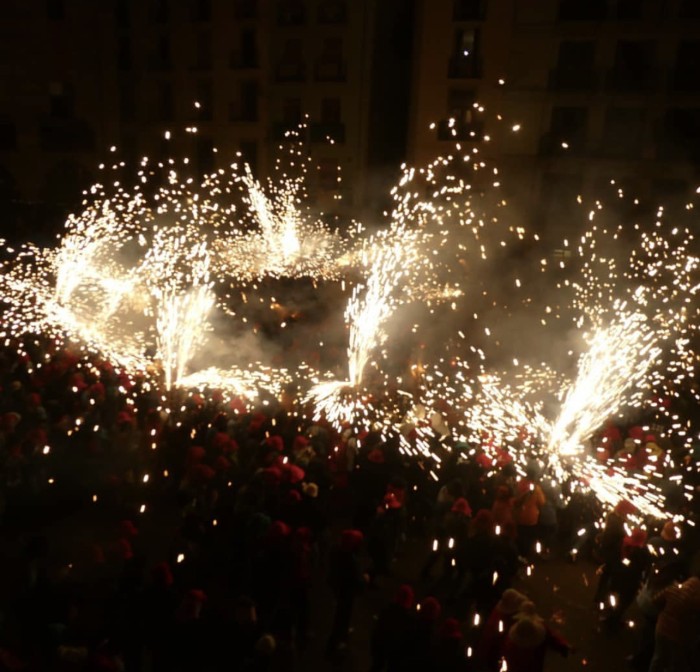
(623, 132)
(689, 9)
(245, 9)
(249, 100)
(159, 11)
(628, 10)
(124, 61)
(290, 12)
(681, 133)
(160, 54)
(293, 50)
(127, 100)
(328, 174)
(249, 150)
(249, 48)
(468, 10)
(8, 135)
(165, 102)
(203, 56)
(205, 98)
(201, 10)
(464, 62)
(460, 104)
(55, 10)
(330, 111)
(122, 14)
(575, 66)
(582, 10)
(205, 154)
(332, 11)
(291, 111)
(685, 74)
(61, 101)
(568, 128)
(634, 65)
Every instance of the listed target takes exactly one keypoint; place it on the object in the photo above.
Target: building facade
(595, 90)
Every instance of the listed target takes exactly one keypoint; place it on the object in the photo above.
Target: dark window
(249, 150)
(291, 111)
(201, 10)
(460, 104)
(203, 56)
(568, 128)
(205, 98)
(290, 12)
(160, 54)
(575, 69)
(69, 135)
(122, 14)
(689, 9)
(291, 67)
(465, 60)
(165, 102)
(330, 111)
(623, 132)
(61, 101)
(8, 135)
(127, 101)
(629, 10)
(332, 11)
(160, 11)
(124, 61)
(330, 66)
(249, 49)
(245, 9)
(468, 10)
(55, 10)
(680, 137)
(685, 74)
(558, 192)
(582, 10)
(249, 100)
(205, 154)
(328, 175)
(634, 67)
(670, 190)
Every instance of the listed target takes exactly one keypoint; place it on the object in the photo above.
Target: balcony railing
(684, 80)
(553, 144)
(464, 67)
(468, 10)
(244, 60)
(332, 12)
(573, 79)
(245, 9)
(291, 14)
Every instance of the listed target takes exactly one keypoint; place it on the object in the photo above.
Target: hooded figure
(392, 631)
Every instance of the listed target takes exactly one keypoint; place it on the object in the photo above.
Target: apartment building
(81, 76)
(597, 90)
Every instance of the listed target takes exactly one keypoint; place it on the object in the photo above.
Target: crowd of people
(199, 534)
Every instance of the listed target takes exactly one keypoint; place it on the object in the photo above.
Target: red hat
(220, 440)
(35, 400)
(294, 473)
(405, 597)
(124, 550)
(503, 493)
(272, 475)
(221, 463)
(636, 433)
(303, 534)
(124, 418)
(461, 505)
(293, 497)
(391, 501)
(275, 442)
(483, 521)
(624, 508)
(197, 595)
(450, 629)
(162, 575)
(203, 473)
(279, 530)
(376, 456)
(128, 529)
(430, 609)
(300, 442)
(351, 540)
(196, 453)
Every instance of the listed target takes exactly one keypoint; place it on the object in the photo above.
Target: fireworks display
(146, 279)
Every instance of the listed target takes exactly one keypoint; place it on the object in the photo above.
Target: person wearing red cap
(347, 580)
(610, 549)
(493, 635)
(392, 631)
(449, 654)
(421, 642)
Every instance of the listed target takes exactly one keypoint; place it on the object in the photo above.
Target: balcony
(464, 67)
(582, 10)
(330, 70)
(291, 72)
(632, 81)
(287, 131)
(460, 131)
(573, 79)
(291, 14)
(324, 132)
